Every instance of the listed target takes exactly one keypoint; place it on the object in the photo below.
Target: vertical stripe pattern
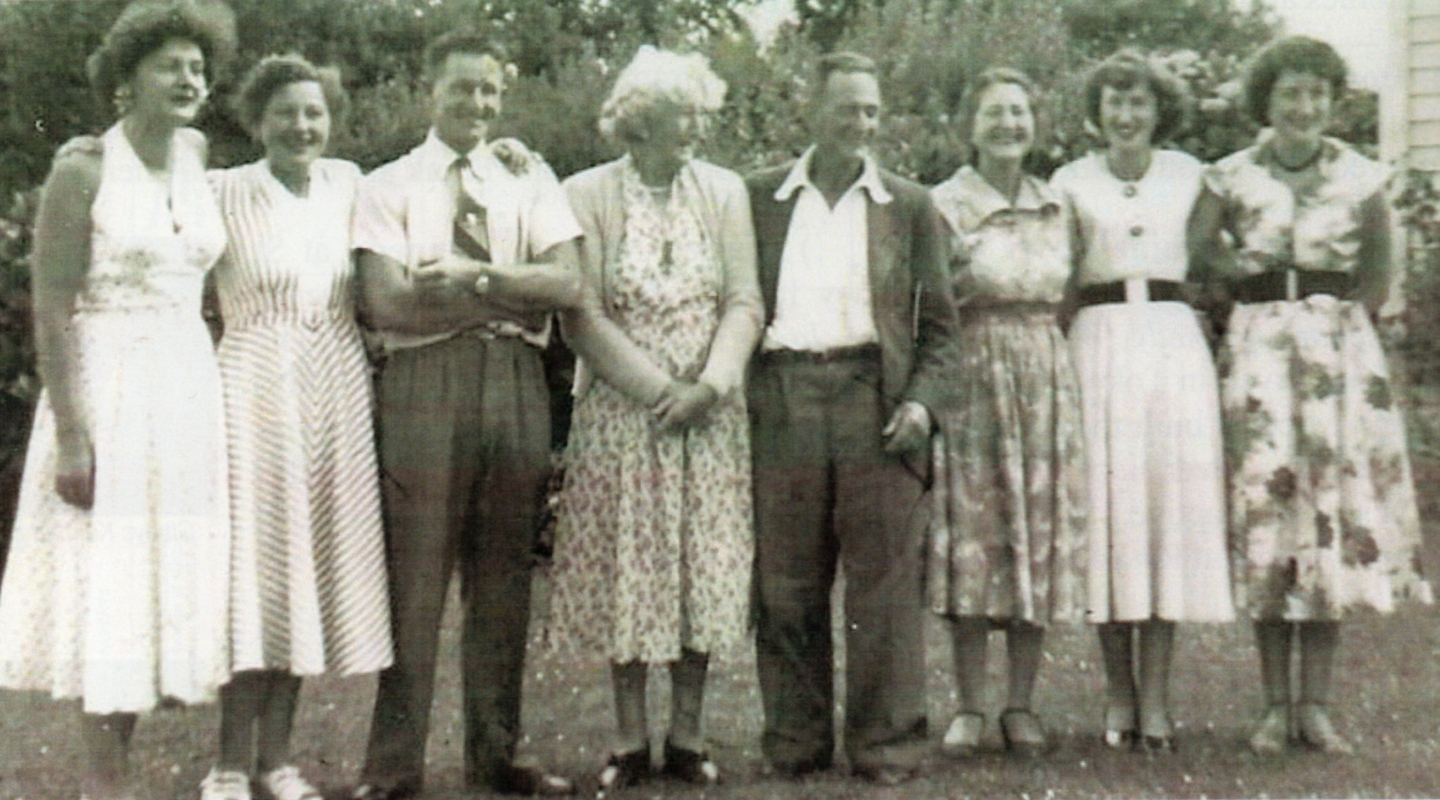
(308, 591)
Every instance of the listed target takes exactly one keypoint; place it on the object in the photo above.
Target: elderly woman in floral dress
(654, 541)
(1323, 513)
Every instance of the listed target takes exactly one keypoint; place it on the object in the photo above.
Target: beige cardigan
(603, 349)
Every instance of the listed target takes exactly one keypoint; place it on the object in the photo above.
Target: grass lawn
(1388, 700)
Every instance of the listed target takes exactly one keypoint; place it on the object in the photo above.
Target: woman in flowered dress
(654, 540)
(1007, 541)
(1323, 513)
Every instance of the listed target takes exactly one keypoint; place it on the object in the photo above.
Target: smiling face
(671, 131)
(295, 126)
(466, 99)
(1300, 104)
(168, 85)
(1128, 116)
(846, 114)
(1004, 124)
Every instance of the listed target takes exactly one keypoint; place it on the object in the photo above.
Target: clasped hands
(683, 404)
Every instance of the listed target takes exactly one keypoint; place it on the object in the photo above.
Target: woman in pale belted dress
(654, 541)
(1151, 406)
(116, 588)
(308, 584)
(1007, 542)
(1322, 508)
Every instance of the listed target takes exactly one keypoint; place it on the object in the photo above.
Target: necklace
(1305, 163)
(1130, 176)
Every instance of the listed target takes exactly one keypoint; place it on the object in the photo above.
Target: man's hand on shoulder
(515, 156)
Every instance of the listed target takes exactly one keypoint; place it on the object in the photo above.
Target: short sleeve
(549, 218)
(379, 221)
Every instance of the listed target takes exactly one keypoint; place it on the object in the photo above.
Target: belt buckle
(1137, 290)
(1292, 285)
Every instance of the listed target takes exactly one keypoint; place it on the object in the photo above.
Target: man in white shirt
(462, 260)
(858, 310)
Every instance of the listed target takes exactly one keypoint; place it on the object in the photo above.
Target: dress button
(1137, 230)
(1130, 190)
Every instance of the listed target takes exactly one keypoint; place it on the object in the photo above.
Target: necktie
(472, 237)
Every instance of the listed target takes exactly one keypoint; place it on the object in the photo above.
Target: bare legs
(1024, 645)
(1318, 643)
(1144, 650)
(107, 739)
(257, 714)
(687, 698)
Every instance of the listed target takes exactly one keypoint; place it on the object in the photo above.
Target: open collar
(799, 177)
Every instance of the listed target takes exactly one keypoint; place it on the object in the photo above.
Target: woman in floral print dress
(1323, 514)
(654, 540)
(1007, 544)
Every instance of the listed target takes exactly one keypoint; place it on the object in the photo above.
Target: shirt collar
(799, 177)
(1034, 195)
(436, 157)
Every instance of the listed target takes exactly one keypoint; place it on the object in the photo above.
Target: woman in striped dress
(308, 592)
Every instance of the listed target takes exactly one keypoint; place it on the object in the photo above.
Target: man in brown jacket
(858, 310)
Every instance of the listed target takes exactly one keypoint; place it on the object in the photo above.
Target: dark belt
(1097, 294)
(1268, 287)
(859, 352)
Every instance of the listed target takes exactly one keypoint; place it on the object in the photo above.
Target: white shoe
(285, 783)
(225, 784)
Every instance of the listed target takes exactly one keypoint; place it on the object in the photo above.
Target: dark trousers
(825, 494)
(464, 448)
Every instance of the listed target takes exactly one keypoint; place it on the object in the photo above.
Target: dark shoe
(1272, 735)
(1317, 732)
(1023, 733)
(795, 769)
(530, 780)
(624, 769)
(690, 766)
(1120, 726)
(887, 774)
(410, 787)
(962, 738)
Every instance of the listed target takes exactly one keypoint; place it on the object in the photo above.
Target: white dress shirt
(405, 210)
(822, 300)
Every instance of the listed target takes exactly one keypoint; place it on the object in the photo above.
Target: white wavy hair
(654, 77)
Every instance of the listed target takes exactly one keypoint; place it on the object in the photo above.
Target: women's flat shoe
(962, 738)
(1160, 739)
(286, 783)
(624, 769)
(1317, 732)
(225, 784)
(1272, 735)
(690, 766)
(1023, 733)
(1120, 726)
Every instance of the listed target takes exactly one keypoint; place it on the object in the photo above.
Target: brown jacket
(911, 300)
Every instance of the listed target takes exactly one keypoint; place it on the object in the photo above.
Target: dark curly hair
(144, 27)
(1292, 54)
(1128, 69)
(274, 73)
(467, 41)
(975, 89)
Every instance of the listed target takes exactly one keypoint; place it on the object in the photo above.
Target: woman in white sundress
(308, 584)
(1148, 392)
(116, 587)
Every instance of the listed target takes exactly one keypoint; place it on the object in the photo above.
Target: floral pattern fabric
(1007, 539)
(1323, 511)
(655, 541)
